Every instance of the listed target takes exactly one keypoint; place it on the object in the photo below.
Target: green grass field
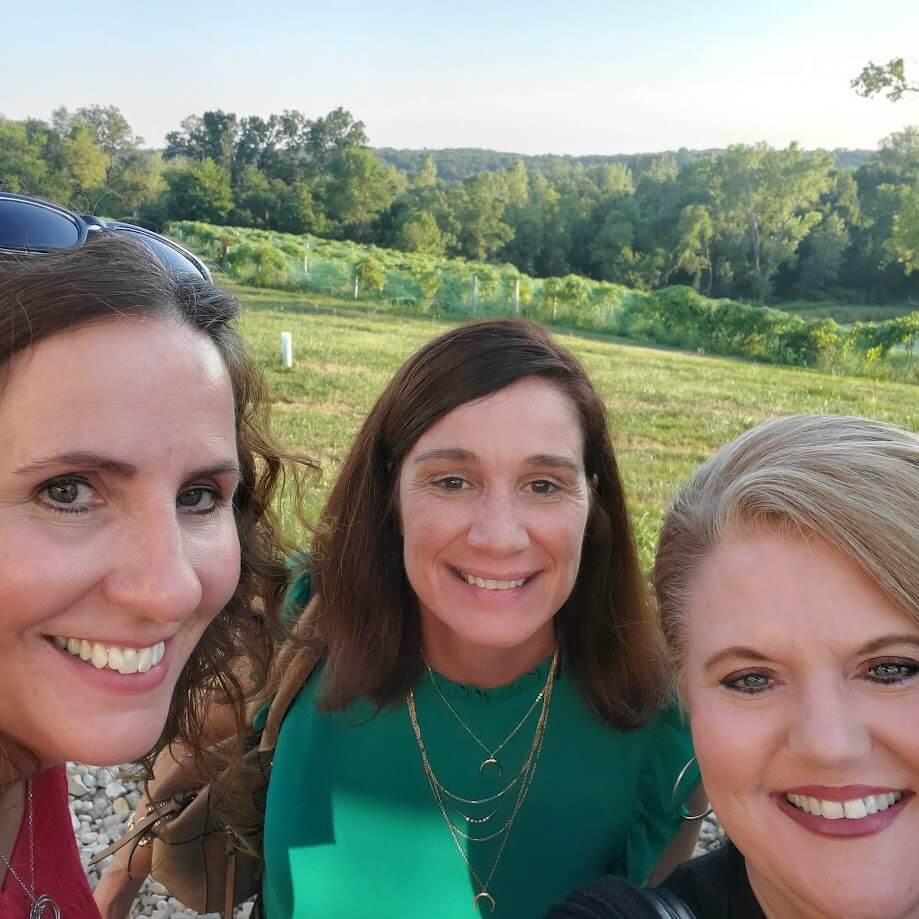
(668, 410)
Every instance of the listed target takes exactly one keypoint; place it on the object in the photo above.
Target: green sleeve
(656, 820)
(299, 589)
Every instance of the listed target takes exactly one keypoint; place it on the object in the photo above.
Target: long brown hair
(367, 620)
(44, 295)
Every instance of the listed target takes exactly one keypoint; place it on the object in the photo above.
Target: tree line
(749, 222)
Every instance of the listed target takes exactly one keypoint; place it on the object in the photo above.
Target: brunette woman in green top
(485, 731)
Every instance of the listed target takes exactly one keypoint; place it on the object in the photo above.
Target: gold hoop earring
(680, 809)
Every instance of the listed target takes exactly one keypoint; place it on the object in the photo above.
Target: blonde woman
(788, 582)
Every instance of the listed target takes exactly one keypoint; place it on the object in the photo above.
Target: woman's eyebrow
(736, 651)
(80, 458)
(886, 640)
(87, 460)
(552, 460)
(453, 454)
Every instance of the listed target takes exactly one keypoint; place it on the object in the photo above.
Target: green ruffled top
(353, 831)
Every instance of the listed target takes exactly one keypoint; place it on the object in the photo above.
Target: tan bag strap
(156, 813)
(295, 664)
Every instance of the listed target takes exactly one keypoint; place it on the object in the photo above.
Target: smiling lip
(111, 681)
(503, 584)
(840, 792)
(842, 828)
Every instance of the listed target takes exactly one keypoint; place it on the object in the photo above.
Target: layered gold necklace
(447, 800)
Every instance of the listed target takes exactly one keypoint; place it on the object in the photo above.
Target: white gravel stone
(76, 786)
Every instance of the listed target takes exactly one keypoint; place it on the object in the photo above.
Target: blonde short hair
(852, 482)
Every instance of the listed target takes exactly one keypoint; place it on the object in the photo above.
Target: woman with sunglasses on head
(139, 564)
(788, 583)
(484, 727)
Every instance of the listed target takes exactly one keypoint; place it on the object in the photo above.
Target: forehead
(129, 384)
(786, 595)
(528, 417)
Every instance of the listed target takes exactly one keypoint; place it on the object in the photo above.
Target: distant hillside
(458, 163)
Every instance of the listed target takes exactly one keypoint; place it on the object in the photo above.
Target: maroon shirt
(58, 870)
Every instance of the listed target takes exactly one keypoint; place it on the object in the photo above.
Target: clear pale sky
(530, 77)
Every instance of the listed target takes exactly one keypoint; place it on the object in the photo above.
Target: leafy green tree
(23, 167)
(370, 274)
(358, 189)
(198, 191)
(821, 257)
(418, 231)
(110, 130)
(903, 242)
(209, 136)
(478, 205)
(256, 198)
(889, 78)
(765, 201)
(693, 250)
(82, 166)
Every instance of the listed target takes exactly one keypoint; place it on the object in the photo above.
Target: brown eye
(63, 492)
(451, 483)
(66, 495)
(201, 500)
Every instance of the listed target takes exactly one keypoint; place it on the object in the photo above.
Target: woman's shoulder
(606, 898)
(707, 886)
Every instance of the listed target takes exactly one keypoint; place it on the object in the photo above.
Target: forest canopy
(749, 222)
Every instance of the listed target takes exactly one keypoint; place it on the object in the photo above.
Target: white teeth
(491, 583)
(112, 657)
(130, 661)
(100, 656)
(144, 660)
(833, 810)
(856, 809)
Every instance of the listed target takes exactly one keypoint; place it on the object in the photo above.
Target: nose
(153, 574)
(828, 727)
(497, 525)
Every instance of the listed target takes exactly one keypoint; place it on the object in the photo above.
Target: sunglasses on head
(31, 225)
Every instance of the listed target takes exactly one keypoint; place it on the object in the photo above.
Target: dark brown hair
(367, 618)
(49, 294)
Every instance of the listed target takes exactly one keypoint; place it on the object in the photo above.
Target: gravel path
(102, 800)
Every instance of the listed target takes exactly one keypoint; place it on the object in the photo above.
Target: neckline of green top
(468, 692)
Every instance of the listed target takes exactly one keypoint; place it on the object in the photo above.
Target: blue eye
(892, 672)
(750, 684)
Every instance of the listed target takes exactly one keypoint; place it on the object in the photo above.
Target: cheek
(218, 571)
(735, 748)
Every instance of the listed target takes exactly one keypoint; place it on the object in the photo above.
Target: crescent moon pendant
(40, 904)
(485, 897)
(491, 761)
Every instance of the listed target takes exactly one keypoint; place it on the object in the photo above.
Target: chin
(868, 904)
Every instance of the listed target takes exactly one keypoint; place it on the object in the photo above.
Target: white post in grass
(475, 293)
(287, 349)
(356, 285)
(516, 296)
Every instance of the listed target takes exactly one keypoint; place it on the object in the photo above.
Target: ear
(594, 481)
